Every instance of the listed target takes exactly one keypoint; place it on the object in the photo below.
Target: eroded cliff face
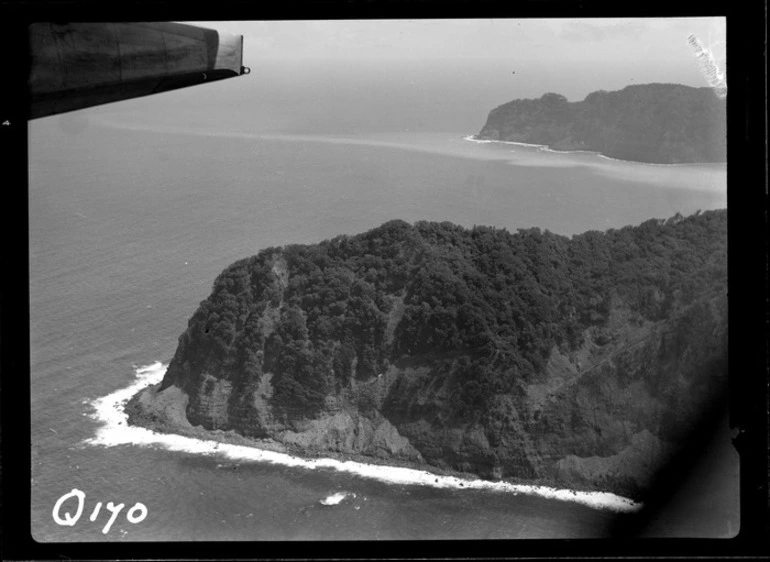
(602, 406)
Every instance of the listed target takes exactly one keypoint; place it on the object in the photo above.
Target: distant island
(653, 123)
(580, 362)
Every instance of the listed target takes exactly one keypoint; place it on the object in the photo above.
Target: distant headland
(653, 123)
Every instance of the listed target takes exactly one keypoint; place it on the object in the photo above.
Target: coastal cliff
(654, 123)
(580, 361)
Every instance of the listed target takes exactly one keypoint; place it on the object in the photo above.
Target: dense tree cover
(317, 316)
(665, 123)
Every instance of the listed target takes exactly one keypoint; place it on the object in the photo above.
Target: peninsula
(580, 362)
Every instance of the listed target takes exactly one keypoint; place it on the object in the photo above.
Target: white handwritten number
(115, 510)
(68, 519)
(135, 515)
(95, 514)
(136, 519)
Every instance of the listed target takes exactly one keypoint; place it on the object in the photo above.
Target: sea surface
(136, 207)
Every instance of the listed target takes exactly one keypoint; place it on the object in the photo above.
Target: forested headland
(655, 123)
(581, 361)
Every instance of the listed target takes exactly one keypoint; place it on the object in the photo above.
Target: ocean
(136, 207)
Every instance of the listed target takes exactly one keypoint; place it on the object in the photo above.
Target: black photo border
(747, 251)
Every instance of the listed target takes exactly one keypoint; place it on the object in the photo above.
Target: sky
(431, 75)
(585, 41)
(569, 56)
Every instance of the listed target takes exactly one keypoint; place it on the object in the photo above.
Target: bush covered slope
(527, 355)
(662, 123)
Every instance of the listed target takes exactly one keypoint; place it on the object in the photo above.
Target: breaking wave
(115, 430)
(546, 148)
(334, 499)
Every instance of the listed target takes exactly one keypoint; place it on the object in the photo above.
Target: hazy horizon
(344, 77)
(572, 57)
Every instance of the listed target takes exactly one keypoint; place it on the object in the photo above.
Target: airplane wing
(79, 65)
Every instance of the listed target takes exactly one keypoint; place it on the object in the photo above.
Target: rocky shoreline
(530, 358)
(149, 411)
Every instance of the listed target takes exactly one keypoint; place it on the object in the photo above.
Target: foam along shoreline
(115, 430)
(397, 144)
(711, 178)
(440, 149)
(473, 138)
(334, 499)
(707, 177)
(546, 148)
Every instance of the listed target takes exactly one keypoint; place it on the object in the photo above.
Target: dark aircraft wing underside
(79, 65)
